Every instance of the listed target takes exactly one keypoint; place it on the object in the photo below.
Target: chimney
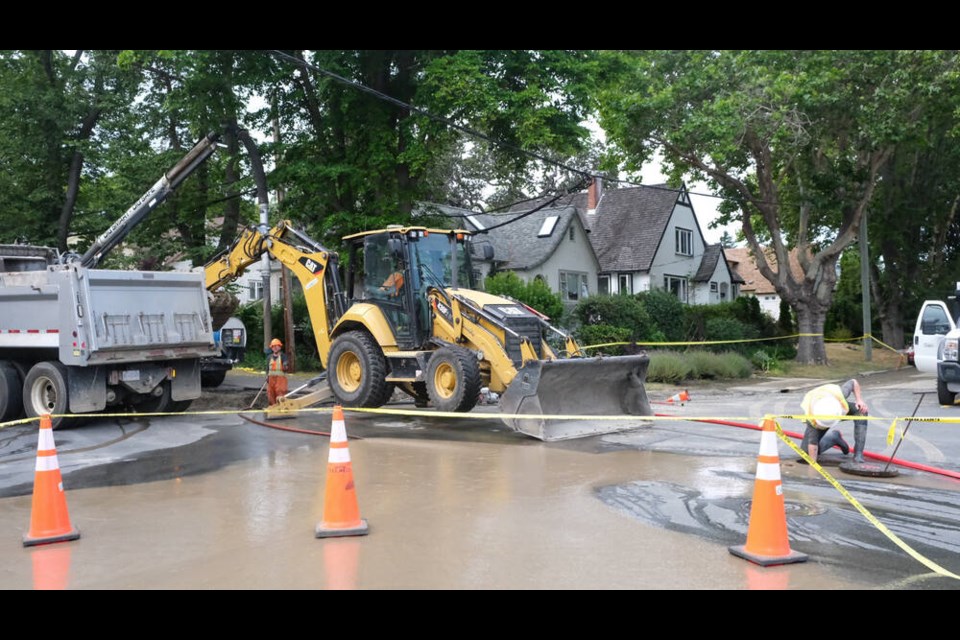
(594, 191)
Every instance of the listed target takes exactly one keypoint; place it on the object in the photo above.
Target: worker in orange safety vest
(277, 368)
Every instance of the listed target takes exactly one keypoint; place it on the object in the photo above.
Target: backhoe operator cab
(394, 270)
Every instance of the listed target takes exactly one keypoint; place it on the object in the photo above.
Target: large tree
(52, 102)
(914, 227)
(351, 160)
(795, 140)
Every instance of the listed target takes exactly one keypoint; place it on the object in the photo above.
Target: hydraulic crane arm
(149, 201)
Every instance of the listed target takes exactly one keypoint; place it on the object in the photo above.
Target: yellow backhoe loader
(407, 314)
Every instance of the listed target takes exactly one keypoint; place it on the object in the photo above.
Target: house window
(571, 233)
(256, 289)
(573, 286)
(547, 227)
(603, 285)
(625, 283)
(723, 290)
(684, 242)
(714, 287)
(677, 286)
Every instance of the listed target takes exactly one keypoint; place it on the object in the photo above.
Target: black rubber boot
(859, 439)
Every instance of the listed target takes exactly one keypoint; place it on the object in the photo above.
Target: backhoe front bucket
(601, 386)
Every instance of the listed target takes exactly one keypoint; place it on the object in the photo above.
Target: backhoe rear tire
(357, 371)
(453, 379)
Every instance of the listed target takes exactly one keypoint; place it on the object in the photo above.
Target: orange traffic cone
(767, 542)
(341, 514)
(49, 520)
(681, 397)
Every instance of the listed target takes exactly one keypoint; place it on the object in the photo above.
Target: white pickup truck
(935, 344)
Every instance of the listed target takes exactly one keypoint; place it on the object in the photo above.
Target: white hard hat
(826, 406)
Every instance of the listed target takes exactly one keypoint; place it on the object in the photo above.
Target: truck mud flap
(601, 386)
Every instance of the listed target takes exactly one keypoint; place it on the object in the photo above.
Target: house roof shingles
(517, 244)
(644, 211)
(711, 256)
(742, 261)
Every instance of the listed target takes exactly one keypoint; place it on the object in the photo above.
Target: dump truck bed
(94, 316)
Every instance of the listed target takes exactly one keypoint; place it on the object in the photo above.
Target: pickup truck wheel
(11, 392)
(944, 395)
(453, 379)
(358, 371)
(213, 378)
(45, 391)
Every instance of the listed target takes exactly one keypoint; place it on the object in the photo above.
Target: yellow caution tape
(890, 432)
(930, 564)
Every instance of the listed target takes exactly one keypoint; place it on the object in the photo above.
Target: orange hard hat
(276, 343)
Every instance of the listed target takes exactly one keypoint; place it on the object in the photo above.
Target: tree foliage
(795, 140)
(534, 293)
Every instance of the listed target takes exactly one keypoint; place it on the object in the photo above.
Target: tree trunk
(66, 211)
(810, 320)
(231, 209)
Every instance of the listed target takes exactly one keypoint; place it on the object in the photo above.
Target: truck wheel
(213, 378)
(155, 404)
(453, 379)
(944, 395)
(358, 371)
(11, 392)
(179, 406)
(45, 391)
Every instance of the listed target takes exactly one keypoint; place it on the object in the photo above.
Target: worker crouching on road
(277, 368)
(831, 400)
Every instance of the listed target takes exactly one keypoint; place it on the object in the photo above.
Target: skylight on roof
(548, 226)
(476, 223)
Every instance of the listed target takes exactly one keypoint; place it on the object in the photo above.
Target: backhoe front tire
(357, 371)
(453, 379)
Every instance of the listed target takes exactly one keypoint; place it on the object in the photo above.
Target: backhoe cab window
(433, 256)
(382, 268)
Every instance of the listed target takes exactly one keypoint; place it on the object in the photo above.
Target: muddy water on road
(442, 515)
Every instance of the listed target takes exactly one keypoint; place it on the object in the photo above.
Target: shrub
(668, 366)
(673, 366)
(785, 322)
(601, 334)
(625, 312)
(666, 312)
(535, 293)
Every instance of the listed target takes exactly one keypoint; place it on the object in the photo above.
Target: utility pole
(285, 280)
(865, 289)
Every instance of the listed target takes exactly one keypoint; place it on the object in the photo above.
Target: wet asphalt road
(202, 501)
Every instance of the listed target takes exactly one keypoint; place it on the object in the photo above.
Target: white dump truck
(77, 339)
